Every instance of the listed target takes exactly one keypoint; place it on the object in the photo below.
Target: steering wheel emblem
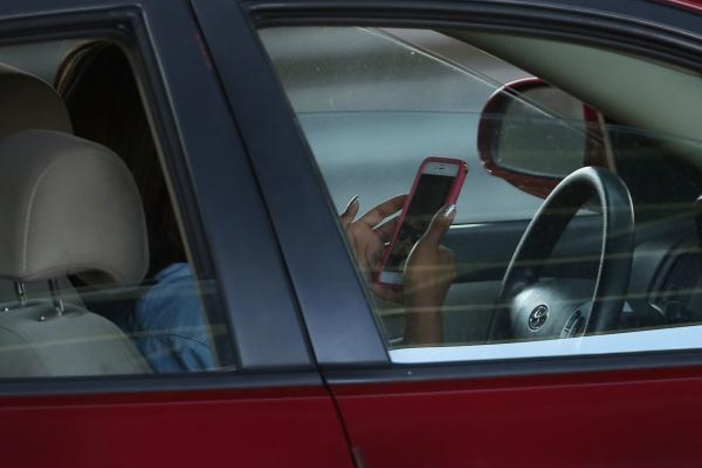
(538, 317)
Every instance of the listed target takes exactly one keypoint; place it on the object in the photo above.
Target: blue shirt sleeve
(168, 326)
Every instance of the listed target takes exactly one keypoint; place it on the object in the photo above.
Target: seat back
(70, 207)
(36, 341)
(28, 102)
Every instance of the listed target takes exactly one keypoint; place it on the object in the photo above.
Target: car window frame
(640, 34)
(203, 184)
(329, 305)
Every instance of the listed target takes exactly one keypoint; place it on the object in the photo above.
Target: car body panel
(256, 428)
(642, 419)
(304, 308)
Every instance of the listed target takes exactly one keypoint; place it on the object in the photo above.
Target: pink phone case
(451, 198)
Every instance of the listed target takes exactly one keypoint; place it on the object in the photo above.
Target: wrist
(425, 299)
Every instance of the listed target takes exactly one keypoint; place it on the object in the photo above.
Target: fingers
(439, 225)
(447, 255)
(349, 213)
(448, 259)
(387, 294)
(382, 211)
(386, 230)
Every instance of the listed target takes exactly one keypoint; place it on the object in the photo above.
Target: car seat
(69, 207)
(28, 102)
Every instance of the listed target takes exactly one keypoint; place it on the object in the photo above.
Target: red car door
(621, 399)
(262, 403)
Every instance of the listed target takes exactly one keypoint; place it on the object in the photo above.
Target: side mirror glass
(532, 135)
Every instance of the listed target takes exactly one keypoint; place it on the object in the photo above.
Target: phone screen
(431, 193)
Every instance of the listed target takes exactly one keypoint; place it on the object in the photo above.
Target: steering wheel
(530, 307)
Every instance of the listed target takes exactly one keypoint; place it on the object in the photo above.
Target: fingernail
(352, 202)
(450, 211)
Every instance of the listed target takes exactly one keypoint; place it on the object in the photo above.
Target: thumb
(350, 212)
(440, 223)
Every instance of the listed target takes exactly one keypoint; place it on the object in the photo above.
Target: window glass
(396, 103)
(94, 271)
(609, 262)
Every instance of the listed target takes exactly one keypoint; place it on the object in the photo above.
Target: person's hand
(368, 236)
(431, 267)
(429, 272)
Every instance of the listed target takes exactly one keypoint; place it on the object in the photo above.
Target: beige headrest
(68, 206)
(28, 102)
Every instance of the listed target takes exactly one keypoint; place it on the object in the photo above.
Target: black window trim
(645, 35)
(294, 192)
(581, 21)
(205, 383)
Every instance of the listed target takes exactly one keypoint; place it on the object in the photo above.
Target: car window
(607, 263)
(95, 275)
(356, 78)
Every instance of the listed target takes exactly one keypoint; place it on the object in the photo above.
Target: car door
(263, 403)
(598, 400)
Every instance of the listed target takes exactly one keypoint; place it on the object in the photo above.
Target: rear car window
(95, 277)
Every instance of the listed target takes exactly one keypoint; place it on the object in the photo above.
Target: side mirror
(532, 135)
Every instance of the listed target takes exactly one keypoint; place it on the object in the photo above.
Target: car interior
(615, 248)
(648, 139)
(655, 153)
(79, 247)
(70, 208)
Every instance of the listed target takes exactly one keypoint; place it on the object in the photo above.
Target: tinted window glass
(99, 282)
(505, 281)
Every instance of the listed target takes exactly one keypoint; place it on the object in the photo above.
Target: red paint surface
(633, 419)
(275, 428)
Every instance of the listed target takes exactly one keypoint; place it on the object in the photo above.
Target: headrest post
(21, 293)
(56, 296)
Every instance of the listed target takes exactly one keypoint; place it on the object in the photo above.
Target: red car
(177, 288)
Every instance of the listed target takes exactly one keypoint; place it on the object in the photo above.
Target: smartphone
(438, 183)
